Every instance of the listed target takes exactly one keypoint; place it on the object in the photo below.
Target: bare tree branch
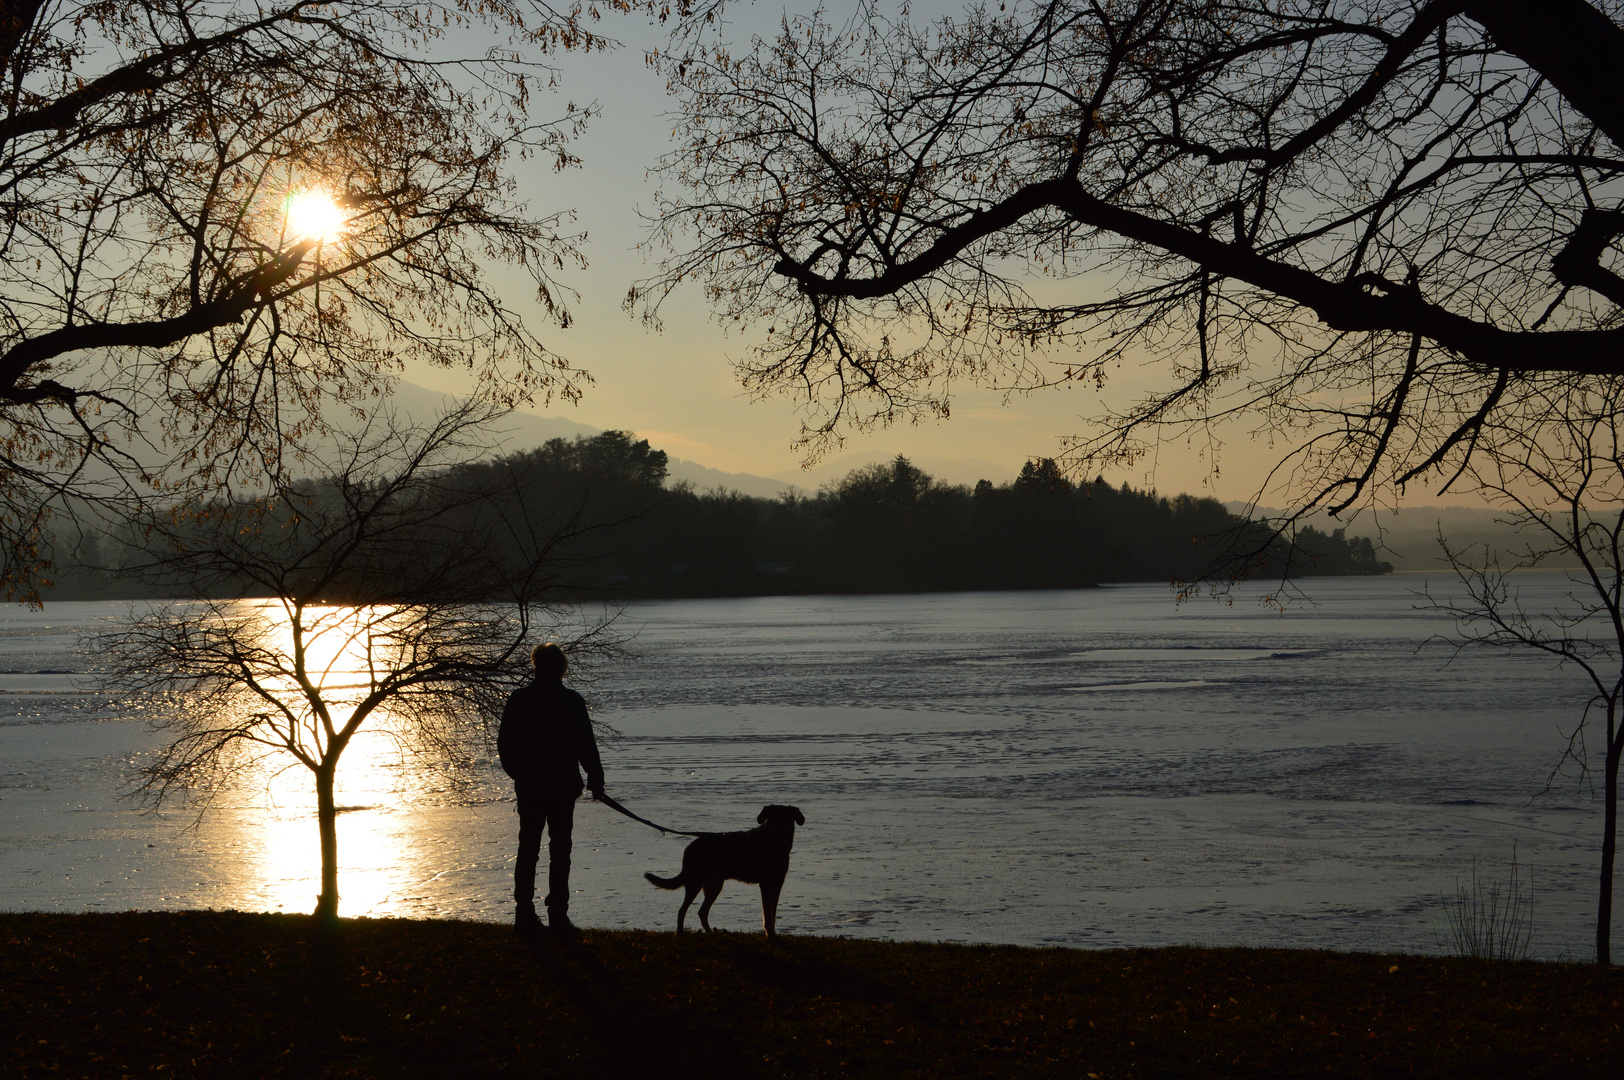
(1562, 487)
(390, 595)
(147, 154)
(1362, 231)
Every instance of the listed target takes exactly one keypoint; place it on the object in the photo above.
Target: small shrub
(1491, 921)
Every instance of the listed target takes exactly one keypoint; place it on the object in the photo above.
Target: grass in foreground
(205, 993)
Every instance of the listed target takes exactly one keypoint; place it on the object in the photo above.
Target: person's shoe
(561, 925)
(526, 923)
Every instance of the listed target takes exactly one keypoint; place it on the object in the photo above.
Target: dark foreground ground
(228, 994)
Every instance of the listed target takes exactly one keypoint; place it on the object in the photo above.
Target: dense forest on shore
(883, 528)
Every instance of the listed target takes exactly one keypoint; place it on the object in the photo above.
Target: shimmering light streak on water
(341, 646)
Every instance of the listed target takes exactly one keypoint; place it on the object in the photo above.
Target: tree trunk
(327, 822)
(1569, 42)
(1609, 839)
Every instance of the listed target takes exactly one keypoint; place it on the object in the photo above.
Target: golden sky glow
(677, 387)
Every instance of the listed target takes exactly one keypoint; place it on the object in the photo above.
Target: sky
(676, 386)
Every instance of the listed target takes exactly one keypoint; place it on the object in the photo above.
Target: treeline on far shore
(883, 528)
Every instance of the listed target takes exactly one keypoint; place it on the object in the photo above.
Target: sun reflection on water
(278, 820)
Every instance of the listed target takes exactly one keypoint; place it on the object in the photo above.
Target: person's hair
(548, 659)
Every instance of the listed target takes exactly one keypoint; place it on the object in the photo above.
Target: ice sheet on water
(1195, 654)
(1140, 684)
(41, 682)
(1229, 775)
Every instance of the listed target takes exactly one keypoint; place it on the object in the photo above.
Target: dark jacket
(545, 735)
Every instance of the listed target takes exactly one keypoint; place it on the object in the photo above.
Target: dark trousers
(538, 811)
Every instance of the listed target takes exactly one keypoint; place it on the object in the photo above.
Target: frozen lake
(1088, 768)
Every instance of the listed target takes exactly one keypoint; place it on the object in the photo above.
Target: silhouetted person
(544, 741)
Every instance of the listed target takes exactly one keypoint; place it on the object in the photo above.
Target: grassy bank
(198, 994)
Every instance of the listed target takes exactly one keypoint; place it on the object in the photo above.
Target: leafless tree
(160, 322)
(393, 594)
(1364, 229)
(1562, 487)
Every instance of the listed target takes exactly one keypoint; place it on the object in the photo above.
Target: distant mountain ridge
(524, 431)
(1409, 538)
(962, 471)
(521, 431)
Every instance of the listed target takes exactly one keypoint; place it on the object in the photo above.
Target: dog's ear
(800, 818)
(761, 818)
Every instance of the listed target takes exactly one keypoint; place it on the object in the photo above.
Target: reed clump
(1491, 920)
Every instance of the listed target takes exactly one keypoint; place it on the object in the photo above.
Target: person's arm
(509, 739)
(586, 751)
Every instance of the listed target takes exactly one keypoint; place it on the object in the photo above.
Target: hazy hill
(525, 431)
(1409, 538)
(963, 471)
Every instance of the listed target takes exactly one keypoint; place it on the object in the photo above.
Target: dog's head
(780, 814)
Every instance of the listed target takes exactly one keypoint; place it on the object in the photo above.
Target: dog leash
(613, 805)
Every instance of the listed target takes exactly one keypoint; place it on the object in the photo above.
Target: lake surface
(1086, 768)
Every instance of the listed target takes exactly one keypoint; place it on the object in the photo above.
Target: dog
(756, 856)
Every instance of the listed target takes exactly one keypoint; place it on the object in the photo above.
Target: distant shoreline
(631, 596)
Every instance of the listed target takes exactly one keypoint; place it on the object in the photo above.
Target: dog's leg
(769, 905)
(713, 889)
(682, 912)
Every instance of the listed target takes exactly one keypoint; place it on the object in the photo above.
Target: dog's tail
(665, 882)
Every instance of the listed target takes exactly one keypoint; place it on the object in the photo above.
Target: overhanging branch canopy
(1367, 227)
(158, 325)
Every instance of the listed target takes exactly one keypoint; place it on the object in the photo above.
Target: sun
(314, 215)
